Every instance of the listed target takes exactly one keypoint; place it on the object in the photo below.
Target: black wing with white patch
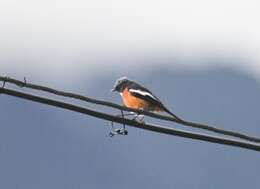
(140, 92)
(143, 93)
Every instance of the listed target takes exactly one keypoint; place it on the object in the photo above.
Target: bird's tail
(172, 114)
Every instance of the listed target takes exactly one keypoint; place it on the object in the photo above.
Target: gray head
(120, 84)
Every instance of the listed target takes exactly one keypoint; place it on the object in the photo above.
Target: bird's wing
(145, 95)
(140, 92)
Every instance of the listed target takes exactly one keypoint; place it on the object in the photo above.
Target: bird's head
(120, 84)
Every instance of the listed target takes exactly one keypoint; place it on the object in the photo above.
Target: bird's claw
(139, 119)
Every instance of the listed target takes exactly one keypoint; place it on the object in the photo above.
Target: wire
(113, 105)
(145, 126)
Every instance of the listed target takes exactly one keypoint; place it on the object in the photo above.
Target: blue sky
(200, 58)
(45, 147)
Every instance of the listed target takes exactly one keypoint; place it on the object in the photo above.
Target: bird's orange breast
(137, 103)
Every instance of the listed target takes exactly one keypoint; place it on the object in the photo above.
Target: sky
(46, 147)
(201, 58)
(80, 37)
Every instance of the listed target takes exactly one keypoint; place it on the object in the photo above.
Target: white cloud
(62, 37)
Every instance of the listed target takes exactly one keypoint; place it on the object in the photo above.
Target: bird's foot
(139, 118)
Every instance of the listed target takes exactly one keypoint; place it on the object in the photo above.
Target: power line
(145, 126)
(113, 105)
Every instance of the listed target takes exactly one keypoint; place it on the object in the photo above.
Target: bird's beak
(113, 90)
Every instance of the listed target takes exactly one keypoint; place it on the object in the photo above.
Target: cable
(150, 127)
(113, 105)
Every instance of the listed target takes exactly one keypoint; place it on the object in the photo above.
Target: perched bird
(136, 96)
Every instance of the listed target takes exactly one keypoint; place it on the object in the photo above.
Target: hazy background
(64, 37)
(200, 57)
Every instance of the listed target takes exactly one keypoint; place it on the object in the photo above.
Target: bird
(138, 97)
